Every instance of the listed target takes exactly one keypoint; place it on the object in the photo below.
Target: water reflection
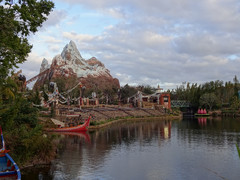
(202, 121)
(212, 132)
(162, 149)
(71, 155)
(78, 161)
(131, 132)
(76, 136)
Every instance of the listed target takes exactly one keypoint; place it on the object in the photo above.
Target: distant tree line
(210, 95)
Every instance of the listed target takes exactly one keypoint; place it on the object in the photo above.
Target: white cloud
(32, 66)
(157, 41)
(55, 17)
(116, 12)
(77, 37)
(54, 48)
(147, 57)
(208, 44)
(51, 40)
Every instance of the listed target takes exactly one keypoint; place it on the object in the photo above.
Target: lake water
(187, 149)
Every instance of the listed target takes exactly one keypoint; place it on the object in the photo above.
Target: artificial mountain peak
(70, 64)
(70, 52)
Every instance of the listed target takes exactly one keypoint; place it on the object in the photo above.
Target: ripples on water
(159, 149)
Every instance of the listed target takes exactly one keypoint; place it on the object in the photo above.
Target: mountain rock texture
(70, 66)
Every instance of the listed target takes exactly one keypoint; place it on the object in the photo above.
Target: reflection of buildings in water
(167, 130)
(164, 131)
(202, 121)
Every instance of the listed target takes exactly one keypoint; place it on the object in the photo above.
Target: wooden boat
(79, 128)
(7, 165)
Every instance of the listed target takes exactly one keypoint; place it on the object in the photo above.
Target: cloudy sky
(151, 42)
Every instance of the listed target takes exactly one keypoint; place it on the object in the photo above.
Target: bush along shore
(24, 135)
(227, 112)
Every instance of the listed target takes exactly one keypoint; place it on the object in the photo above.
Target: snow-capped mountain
(71, 64)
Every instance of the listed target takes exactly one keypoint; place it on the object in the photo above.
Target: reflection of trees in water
(209, 131)
(103, 141)
(71, 155)
(127, 133)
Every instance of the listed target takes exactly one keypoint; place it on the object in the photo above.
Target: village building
(151, 101)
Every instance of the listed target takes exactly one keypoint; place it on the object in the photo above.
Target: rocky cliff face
(71, 65)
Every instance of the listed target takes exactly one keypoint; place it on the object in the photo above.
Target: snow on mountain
(92, 73)
(71, 60)
(44, 65)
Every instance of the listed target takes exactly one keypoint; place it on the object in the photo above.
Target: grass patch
(230, 111)
(96, 123)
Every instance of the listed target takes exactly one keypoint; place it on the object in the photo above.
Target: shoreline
(103, 115)
(93, 128)
(148, 118)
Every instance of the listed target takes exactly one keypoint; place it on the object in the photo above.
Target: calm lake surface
(185, 149)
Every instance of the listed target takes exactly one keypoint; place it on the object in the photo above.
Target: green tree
(208, 99)
(36, 97)
(146, 89)
(126, 92)
(18, 21)
(234, 102)
(236, 85)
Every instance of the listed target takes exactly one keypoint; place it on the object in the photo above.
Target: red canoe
(82, 127)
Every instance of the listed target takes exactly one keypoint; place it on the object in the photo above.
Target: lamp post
(80, 95)
(119, 97)
(81, 88)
